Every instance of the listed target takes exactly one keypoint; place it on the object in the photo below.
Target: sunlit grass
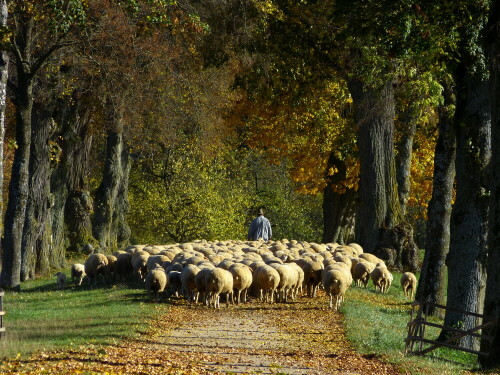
(377, 325)
(41, 317)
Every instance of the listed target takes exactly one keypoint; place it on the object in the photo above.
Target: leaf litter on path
(302, 337)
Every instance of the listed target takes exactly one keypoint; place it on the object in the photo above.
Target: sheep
(200, 282)
(357, 248)
(344, 268)
(242, 280)
(139, 253)
(156, 281)
(175, 267)
(188, 282)
(218, 281)
(344, 259)
(329, 261)
(300, 279)
(77, 272)
(370, 258)
(409, 284)
(381, 278)
(335, 284)
(153, 260)
(139, 265)
(266, 280)
(60, 280)
(288, 280)
(312, 276)
(95, 265)
(110, 267)
(174, 281)
(123, 265)
(361, 273)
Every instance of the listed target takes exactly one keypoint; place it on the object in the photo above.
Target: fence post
(2, 313)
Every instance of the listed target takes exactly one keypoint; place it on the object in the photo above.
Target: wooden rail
(416, 330)
(2, 313)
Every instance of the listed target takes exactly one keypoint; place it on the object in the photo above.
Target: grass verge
(41, 317)
(376, 324)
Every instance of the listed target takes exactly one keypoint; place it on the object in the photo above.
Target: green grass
(376, 324)
(41, 317)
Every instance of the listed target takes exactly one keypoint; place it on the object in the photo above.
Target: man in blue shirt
(260, 228)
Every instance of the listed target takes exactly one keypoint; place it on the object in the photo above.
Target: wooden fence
(2, 313)
(418, 321)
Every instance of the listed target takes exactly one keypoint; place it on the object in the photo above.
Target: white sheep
(60, 280)
(242, 280)
(78, 273)
(156, 281)
(370, 258)
(218, 281)
(357, 248)
(300, 279)
(288, 280)
(344, 268)
(139, 265)
(188, 275)
(409, 284)
(335, 284)
(95, 265)
(266, 279)
(153, 260)
(361, 272)
(381, 278)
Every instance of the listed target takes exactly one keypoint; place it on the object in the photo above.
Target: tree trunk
(466, 259)
(4, 65)
(19, 183)
(379, 212)
(338, 207)
(109, 224)
(71, 224)
(433, 276)
(492, 297)
(403, 160)
(39, 201)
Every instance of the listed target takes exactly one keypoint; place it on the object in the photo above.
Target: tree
(466, 259)
(4, 71)
(29, 56)
(467, 255)
(492, 294)
(433, 276)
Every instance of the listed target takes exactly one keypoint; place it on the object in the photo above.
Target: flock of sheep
(273, 271)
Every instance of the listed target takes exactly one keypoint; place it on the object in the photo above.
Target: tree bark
(338, 208)
(403, 160)
(109, 225)
(70, 219)
(379, 224)
(433, 275)
(4, 71)
(466, 259)
(39, 201)
(18, 188)
(492, 297)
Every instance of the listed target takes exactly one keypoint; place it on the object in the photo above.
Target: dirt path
(298, 338)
